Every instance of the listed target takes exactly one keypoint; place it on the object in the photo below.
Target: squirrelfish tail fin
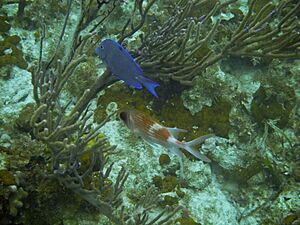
(200, 140)
(149, 84)
(189, 146)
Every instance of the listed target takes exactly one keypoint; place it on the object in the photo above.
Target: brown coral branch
(69, 5)
(172, 53)
(254, 38)
(143, 14)
(67, 130)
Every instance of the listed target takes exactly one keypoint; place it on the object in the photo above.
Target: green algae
(214, 119)
(22, 123)
(169, 200)
(187, 221)
(10, 54)
(166, 184)
(164, 159)
(7, 178)
(292, 219)
(4, 25)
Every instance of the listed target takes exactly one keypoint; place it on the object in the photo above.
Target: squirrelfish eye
(123, 116)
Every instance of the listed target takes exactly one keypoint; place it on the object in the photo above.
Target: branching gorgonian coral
(67, 129)
(185, 45)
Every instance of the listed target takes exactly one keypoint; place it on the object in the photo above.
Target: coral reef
(221, 68)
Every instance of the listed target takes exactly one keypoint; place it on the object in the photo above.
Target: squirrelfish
(119, 61)
(155, 133)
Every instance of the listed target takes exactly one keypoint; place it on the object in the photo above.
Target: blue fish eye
(101, 46)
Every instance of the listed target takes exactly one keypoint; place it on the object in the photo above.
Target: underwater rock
(169, 200)
(166, 184)
(15, 93)
(282, 210)
(5, 140)
(112, 108)
(211, 206)
(225, 153)
(287, 202)
(203, 92)
(197, 174)
(292, 219)
(3, 158)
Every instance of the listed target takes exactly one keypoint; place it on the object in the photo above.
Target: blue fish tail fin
(149, 84)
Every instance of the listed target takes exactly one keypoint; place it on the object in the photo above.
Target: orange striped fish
(156, 133)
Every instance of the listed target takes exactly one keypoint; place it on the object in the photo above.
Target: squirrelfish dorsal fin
(175, 131)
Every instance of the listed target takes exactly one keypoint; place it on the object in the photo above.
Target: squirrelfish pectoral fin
(176, 151)
(150, 142)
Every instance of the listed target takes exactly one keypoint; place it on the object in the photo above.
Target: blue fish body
(118, 60)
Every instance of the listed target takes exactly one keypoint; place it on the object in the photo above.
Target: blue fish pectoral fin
(175, 131)
(97, 51)
(149, 84)
(133, 83)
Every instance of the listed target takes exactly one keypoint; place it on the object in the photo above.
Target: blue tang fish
(118, 60)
